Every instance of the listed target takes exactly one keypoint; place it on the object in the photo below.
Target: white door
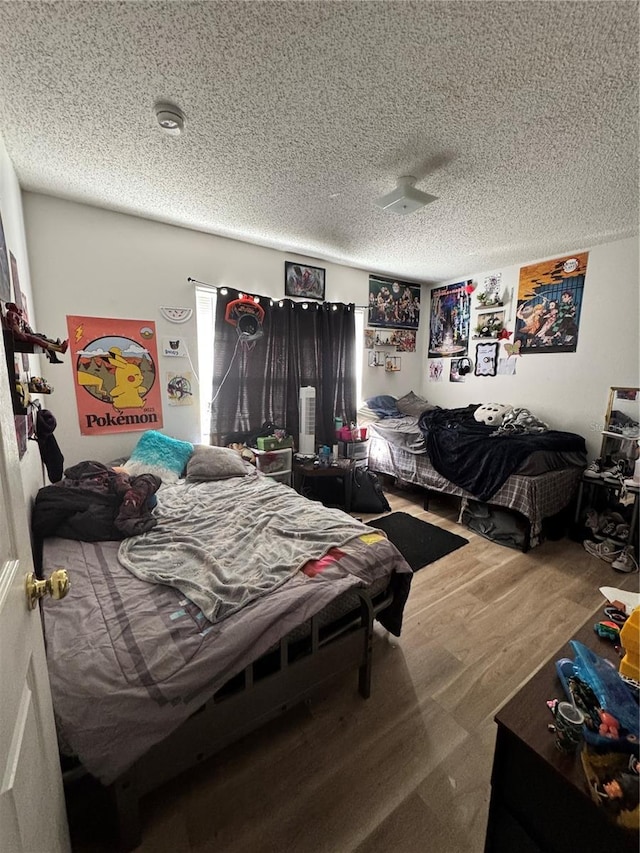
(32, 813)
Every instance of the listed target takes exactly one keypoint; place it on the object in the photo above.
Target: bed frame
(534, 497)
(268, 687)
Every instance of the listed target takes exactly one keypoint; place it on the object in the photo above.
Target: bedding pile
(476, 457)
(223, 559)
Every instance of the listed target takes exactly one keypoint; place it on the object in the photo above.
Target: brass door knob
(57, 586)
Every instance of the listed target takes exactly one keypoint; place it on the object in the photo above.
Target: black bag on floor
(367, 493)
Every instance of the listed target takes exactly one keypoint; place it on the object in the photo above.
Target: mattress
(130, 660)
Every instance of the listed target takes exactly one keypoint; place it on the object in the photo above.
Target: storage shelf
(620, 435)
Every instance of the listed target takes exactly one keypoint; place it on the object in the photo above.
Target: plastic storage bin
(275, 463)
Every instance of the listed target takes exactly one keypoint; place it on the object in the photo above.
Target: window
(205, 320)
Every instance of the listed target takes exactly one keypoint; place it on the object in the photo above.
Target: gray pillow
(412, 404)
(215, 463)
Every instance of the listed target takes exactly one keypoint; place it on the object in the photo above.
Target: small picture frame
(303, 281)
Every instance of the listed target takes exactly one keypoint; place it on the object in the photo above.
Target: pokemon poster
(115, 364)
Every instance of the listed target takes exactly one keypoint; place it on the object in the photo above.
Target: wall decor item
(486, 359)
(393, 304)
(376, 358)
(5, 281)
(489, 324)
(384, 338)
(512, 349)
(549, 304)
(490, 294)
(176, 315)
(180, 389)
(449, 320)
(115, 365)
(392, 363)
(454, 371)
(369, 338)
(304, 281)
(436, 370)
(507, 366)
(404, 340)
(174, 348)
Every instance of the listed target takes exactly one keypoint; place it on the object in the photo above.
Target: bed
(145, 685)
(543, 483)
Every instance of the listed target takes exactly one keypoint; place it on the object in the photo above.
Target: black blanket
(479, 458)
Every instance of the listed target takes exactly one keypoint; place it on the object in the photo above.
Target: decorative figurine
(15, 321)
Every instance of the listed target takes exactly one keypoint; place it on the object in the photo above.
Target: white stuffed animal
(491, 413)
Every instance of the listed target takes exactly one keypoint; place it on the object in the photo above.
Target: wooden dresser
(539, 800)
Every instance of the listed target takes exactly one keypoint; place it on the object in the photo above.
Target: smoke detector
(405, 198)
(170, 118)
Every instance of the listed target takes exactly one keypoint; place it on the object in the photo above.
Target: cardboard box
(270, 442)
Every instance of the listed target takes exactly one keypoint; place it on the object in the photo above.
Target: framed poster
(115, 365)
(549, 304)
(303, 281)
(449, 320)
(393, 304)
(5, 281)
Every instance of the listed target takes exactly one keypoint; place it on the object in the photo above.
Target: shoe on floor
(606, 550)
(626, 562)
(593, 469)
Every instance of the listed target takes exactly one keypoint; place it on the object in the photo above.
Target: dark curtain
(312, 346)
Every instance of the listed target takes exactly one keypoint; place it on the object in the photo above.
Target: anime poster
(404, 340)
(393, 304)
(549, 303)
(454, 371)
(180, 388)
(115, 365)
(436, 370)
(449, 320)
(5, 282)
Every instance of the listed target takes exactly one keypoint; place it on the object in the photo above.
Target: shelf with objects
(607, 505)
(19, 337)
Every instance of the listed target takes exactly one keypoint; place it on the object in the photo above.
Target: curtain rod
(215, 288)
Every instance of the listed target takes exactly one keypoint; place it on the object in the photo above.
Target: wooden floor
(409, 769)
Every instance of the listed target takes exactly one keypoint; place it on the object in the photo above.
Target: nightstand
(275, 464)
(305, 473)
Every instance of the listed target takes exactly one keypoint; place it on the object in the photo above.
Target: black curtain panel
(259, 381)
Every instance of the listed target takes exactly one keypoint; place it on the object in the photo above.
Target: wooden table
(340, 468)
(539, 799)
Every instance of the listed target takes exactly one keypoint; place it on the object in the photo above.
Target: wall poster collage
(394, 315)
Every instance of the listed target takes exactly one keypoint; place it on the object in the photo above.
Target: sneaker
(626, 562)
(616, 474)
(593, 469)
(593, 520)
(606, 550)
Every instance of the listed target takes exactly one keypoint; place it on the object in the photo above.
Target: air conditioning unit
(307, 412)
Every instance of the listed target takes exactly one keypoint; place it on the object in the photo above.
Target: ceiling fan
(405, 198)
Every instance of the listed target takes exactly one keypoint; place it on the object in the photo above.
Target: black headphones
(464, 366)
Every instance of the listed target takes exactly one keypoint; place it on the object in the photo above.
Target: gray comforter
(221, 559)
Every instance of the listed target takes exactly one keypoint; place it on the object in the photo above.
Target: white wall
(89, 261)
(93, 262)
(567, 390)
(12, 219)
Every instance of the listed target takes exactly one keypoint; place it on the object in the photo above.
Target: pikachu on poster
(115, 366)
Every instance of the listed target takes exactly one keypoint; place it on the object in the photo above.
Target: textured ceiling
(521, 117)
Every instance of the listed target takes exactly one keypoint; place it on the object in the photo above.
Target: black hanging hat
(50, 452)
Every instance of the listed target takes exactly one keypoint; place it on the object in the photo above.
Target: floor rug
(419, 542)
